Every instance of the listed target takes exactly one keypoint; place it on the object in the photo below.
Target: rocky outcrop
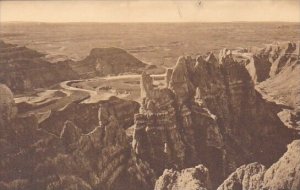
(284, 174)
(7, 105)
(196, 178)
(245, 177)
(180, 82)
(210, 113)
(281, 55)
(156, 130)
(23, 69)
(280, 79)
(165, 128)
(275, 69)
(272, 60)
(108, 61)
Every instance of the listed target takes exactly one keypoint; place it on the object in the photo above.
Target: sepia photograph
(150, 95)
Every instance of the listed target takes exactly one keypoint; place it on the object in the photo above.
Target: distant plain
(155, 43)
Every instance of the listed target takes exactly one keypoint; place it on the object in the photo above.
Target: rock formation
(275, 69)
(23, 69)
(281, 67)
(168, 76)
(180, 82)
(7, 105)
(245, 177)
(272, 60)
(196, 178)
(284, 174)
(156, 130)
(210, 113)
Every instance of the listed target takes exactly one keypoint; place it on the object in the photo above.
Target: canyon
(213, 122)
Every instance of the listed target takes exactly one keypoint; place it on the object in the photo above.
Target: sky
(151, 11)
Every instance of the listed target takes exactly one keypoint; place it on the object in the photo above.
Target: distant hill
(109, 61)
(23, 69)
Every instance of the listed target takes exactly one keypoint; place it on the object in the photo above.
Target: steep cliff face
(156, 129)
(196, 178)
(23, 69)
(211, 114)
(284, 174)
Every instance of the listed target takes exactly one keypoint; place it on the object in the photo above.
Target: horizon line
(146, 22)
